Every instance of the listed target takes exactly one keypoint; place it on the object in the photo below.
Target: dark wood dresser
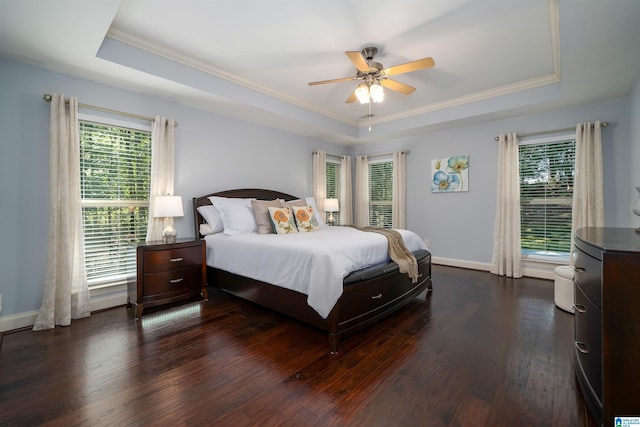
(166, 272)
(607, 321)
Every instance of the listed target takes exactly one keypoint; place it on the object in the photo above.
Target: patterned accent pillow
(305, 218)
(282, 220)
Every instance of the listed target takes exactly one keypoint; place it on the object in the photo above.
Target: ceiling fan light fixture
(377, 92)
(362, 93)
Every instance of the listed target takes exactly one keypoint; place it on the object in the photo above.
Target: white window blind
(115, 173)
(333, 186)
(546, 197)
(381, 193)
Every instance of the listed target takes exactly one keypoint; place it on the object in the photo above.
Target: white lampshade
(377, 92)
(331, 205)
(362, 93)
(168, 206)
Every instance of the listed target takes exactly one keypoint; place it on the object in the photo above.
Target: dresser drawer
(172, 259)
(172, 281)
(588, 273)
(588, 340)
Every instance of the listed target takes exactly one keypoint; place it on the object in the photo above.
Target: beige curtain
(66, 294)
(362, 191)
(162, 171)
(588, 198)
(320, 178)
(346, 196)
(399, 213)
(507, 257)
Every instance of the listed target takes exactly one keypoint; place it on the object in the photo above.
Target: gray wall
(212, 153)
(460, 225)
(215, 153)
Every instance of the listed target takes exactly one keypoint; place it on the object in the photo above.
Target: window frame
(120, 278)
(372, 203)
(559, 257)
(337, 165)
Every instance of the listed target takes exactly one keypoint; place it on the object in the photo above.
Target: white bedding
(312, 263)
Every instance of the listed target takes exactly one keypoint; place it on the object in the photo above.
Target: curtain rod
(543, 132)
(374, 156)
(386, 155)
(47, 98)
(335, 156)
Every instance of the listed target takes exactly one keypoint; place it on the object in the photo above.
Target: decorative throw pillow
(237, 214)
(261, 212)
(296, 202)
(305, 218)
(311, 201)
(212, 216)
(282, 220)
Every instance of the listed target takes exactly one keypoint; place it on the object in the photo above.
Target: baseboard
(18, 321)
(452, 262)
(537, 269)
(101, 300)
(27, 319)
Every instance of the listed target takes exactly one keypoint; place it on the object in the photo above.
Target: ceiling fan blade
(358, 60)
(351, 98)
(324, 82)
(420, 64)
(397, 86)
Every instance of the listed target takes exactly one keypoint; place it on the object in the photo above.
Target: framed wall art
(450, 174)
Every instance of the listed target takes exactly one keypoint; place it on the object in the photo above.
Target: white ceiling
(254, 58)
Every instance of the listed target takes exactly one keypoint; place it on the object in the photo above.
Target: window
(333, 187)
(546, 196)
(381, 193)
(115, 174)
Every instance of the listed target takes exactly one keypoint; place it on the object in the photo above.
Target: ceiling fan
(375, 76)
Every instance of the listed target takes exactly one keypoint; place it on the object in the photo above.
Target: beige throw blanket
(398, 252)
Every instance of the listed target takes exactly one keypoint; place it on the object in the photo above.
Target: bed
(365, 296)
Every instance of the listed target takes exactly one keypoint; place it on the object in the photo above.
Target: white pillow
(212, 216)
(312, 202)
(237, 214)
(206, 229)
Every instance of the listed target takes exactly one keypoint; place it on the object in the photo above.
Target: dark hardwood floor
(479, 351)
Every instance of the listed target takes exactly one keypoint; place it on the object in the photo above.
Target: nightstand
(166, 272)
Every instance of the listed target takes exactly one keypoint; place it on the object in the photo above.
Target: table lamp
(168, 207)
(331, 206)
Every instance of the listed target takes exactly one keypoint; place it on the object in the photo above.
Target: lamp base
(169, 234)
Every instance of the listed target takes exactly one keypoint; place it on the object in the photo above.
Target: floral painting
(450, 174)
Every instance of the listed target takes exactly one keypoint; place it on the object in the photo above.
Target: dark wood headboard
(243, 193)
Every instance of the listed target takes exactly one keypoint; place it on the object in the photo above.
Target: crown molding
(474, 97)
(554, 77)
(172, 55)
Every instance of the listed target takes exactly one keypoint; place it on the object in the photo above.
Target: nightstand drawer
(172, 259)
(171, 281)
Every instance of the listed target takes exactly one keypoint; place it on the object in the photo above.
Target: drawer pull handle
(579, 308)
(176, 259)
(579, 269)
(174, 281)
(377, 296)
(582, 348)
